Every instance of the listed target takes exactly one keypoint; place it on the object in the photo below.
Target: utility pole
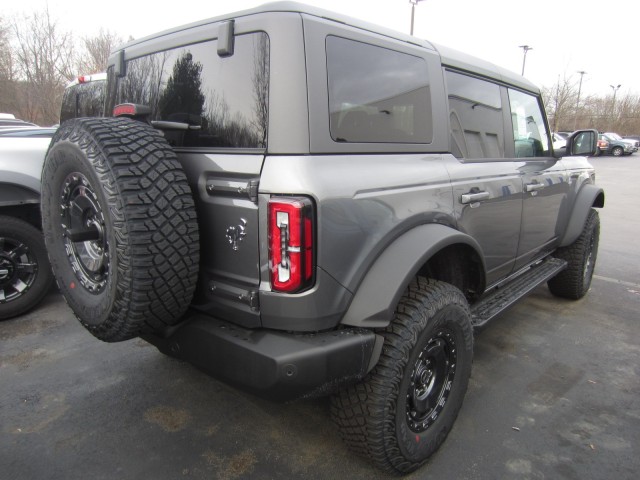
(525, 49)
(575, 119)
(413, 10)
(613, 103)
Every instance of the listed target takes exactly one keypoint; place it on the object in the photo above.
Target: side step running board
(506, 295)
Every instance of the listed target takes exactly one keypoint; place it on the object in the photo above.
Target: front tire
(120, 226)
(617, 151)
(402, 412)
(25, 273)
(574, 282)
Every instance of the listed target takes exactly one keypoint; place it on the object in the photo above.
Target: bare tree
(43, 61)
(603, 114)
(625, 114)
(261, 87)
(560, 100)
(96, 51)
(7, 87)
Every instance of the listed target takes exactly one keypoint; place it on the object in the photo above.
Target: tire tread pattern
(365, 412)
(154, 219)
(570, 283)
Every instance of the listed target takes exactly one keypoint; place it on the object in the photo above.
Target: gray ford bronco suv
(304, 204)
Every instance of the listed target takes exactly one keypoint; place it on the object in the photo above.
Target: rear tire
(25, 273)
(581, 255)
(402, 412)
(120, 226)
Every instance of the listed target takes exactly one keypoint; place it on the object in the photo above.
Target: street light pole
(525, 49)
(575, 119)
(613, 103)
(413, 11)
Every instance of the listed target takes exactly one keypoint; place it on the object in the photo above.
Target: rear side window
(200, 99)
(529, 130)
(377, 95)
(475, 117)
(83, 100)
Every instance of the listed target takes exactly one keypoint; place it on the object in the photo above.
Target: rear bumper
(275, 365)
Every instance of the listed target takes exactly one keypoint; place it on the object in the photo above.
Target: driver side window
(529, 130)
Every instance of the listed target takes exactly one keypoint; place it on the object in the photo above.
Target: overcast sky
(599, 37)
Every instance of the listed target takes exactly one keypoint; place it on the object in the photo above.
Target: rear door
(210, 101)
(487, 187)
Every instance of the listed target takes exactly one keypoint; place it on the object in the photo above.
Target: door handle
(534, 187)
(473, 197)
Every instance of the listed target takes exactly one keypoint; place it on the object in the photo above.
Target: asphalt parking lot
(554, 393)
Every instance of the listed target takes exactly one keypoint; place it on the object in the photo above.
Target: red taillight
(81, 79)
(124, 109)
(291, 256)
(131, 110)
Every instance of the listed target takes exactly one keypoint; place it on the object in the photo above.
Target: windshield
(615, 136)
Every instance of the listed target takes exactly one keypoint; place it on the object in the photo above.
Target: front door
(545, 183)
(546, 188)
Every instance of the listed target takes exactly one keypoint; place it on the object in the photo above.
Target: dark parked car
(28, 132)
(84, 97)
(616, 145)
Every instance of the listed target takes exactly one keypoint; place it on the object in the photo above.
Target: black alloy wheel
(85, 241)
(25, 274)
(431, 380)
(18, 269)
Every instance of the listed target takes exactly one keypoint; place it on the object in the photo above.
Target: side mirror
(581, 142)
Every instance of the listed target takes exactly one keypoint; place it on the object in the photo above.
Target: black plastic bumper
(275, 365)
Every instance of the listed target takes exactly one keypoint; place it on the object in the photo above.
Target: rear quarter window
(377, 95)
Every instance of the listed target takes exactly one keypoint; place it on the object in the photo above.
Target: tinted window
(83, 100)
(475, 116)
(200, 99)
(529, 130)
(376, 94)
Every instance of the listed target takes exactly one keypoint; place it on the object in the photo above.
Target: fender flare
(13, 195)
(379, 292)
(589, 196)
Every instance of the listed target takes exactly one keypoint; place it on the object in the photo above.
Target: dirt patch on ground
(23, 360)
(231, 468)
(168, 418)
(38, 412)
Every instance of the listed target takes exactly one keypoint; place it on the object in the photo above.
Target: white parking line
(619, 282)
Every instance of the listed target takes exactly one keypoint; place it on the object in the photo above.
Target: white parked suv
(25, 274)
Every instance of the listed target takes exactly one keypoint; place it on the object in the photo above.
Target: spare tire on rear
(120, 226)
